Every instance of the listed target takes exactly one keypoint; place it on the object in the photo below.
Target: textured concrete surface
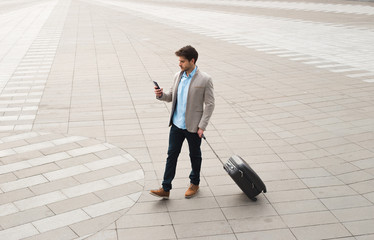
(83, 139)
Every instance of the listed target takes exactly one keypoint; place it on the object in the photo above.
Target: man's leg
(194, 144)
(176, 138)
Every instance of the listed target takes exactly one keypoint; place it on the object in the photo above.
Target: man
(192, 106)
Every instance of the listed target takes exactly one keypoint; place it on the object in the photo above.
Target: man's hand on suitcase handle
(200, 132)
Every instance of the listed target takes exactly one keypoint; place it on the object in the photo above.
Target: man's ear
(193, 60)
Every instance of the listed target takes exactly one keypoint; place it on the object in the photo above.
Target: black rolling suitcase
(243, 175)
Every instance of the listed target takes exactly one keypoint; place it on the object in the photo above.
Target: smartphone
(156, 84)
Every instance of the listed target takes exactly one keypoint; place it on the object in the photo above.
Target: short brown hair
(187, 52)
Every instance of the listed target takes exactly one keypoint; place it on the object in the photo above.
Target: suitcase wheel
(254, 199)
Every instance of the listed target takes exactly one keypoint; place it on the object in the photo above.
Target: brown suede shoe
(160, 193)
(191, 191)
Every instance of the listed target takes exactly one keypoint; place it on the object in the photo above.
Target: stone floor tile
(54, 186)
(322, 181)
(58, 234)
(282, 185)
(364, 164)
(218, 180)
(48, 159)
(109, 162)
(33, 147)
(66, 172)
(365, 237)
(21, 157)
(202, 229)
(148, 207)
(18, 232)
(299, 206)
(74, 161)
(278, 175)
(277, 234)
(7, 152)
(309, 219)
(109, 206)
(185, 204)
(360, 227)
(105, 234)
(345, 202)
(125, 178)
(312, 172)
(291, 195)
(354, 177)
(143, 220)
(214, 237)
(24, 217)
(73, 203)
(59, 148)
(60, 220)
(237, 200)
(79, 190)
(302, 164)
(12, 144)
(363, 187)
(260, 210)
(257, 224)
(23, 183)
(89, 226)
(8, 208)
(155, 232)
(20, 136)
(195, 216)
(334, 191)
(337, 169)
(321, 231)
(39, 200)
(28, 172)
(7, 177)
(354, 214)
(369, 196)
(92, 176)
(15, 195)
(87, 150)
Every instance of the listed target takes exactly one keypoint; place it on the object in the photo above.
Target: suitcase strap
(203, 136)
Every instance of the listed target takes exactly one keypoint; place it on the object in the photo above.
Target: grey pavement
(83, 139)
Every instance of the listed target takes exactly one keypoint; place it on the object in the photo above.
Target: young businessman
(192, 100)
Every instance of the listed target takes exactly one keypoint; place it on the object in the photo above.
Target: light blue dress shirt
(179, 117)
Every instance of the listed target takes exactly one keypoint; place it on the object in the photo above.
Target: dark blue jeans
(176, 139)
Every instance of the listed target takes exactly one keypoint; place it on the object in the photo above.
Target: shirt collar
(191, 74)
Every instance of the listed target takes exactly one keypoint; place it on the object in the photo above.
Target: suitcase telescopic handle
(203, 136)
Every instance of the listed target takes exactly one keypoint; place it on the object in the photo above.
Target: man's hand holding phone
(158, 90)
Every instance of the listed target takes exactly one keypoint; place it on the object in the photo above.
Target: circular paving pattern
(55, 184)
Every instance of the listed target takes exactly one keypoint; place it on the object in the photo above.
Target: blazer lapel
(174, 101)
(191, 83)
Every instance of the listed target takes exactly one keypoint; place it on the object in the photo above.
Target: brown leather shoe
(160, 193)
(191, 191)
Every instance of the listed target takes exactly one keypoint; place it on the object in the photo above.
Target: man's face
(186, 65)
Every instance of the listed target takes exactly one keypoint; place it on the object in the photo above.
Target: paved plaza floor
(83, 139)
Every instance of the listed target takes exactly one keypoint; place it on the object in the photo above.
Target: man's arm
(209, 105)
(163, 96)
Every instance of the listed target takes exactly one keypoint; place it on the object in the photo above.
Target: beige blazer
(200, 100)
